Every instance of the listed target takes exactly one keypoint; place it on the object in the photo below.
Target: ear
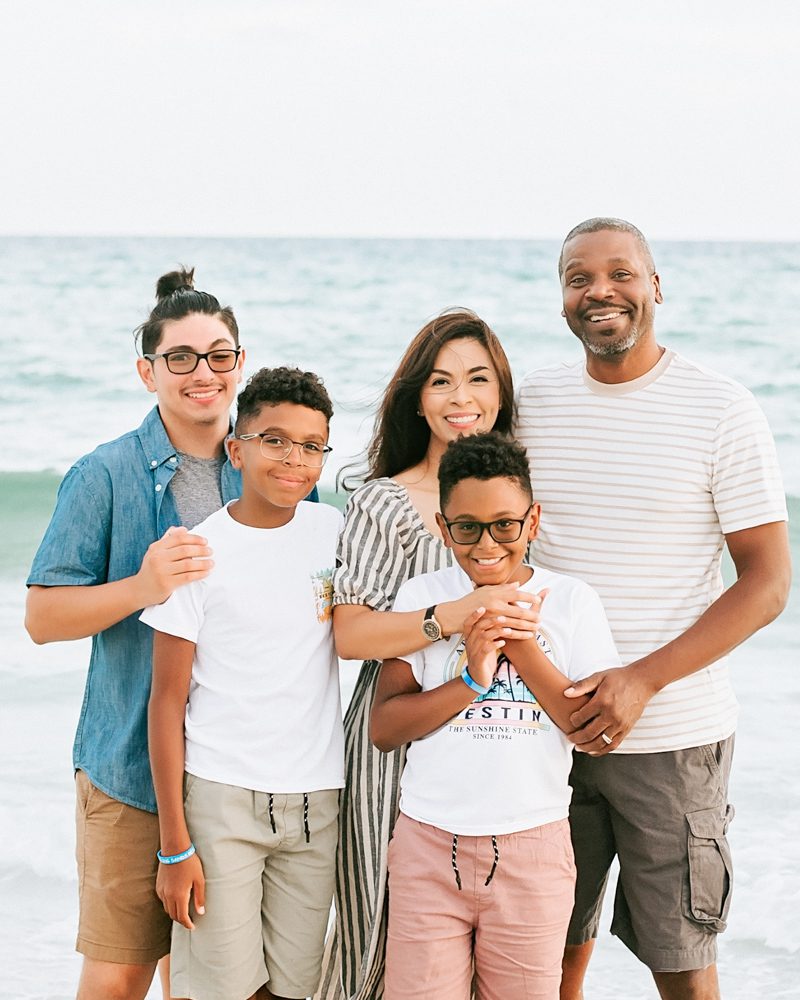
(535, 515)
(146, 374)
(234, 448)
(448, 544)
(240, 366)
(657, 287)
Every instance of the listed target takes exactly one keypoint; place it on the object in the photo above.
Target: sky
(419, 118)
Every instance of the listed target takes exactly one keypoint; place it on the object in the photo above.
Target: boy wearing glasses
(246, 735)
(481, 872)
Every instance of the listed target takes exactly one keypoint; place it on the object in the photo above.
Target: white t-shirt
(639, 482)
(264, 710)
(501, 765)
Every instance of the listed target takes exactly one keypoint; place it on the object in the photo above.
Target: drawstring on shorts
(454, 860)
(271, 815)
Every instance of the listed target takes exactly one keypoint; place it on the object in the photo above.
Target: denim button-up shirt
(111, 506)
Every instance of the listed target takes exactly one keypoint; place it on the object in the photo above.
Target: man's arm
(618, 696)
(54, 614)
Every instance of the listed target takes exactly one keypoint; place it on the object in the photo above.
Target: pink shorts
(513, 929)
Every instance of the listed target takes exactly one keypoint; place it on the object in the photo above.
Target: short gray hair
(601, 224)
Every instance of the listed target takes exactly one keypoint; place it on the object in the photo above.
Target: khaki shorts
(121, 917)
(665, 816)
(268, 894)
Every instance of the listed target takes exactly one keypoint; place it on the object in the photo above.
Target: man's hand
(617, 699)
(175, 885)
(177, 557)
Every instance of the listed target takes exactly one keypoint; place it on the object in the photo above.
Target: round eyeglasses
(277, 447)
(504, 529)
(185, 362)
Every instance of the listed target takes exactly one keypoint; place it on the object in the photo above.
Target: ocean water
(347, 308)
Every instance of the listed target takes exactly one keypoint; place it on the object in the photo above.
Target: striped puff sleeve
(383, 544)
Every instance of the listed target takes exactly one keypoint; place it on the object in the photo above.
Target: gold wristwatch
(431, 628)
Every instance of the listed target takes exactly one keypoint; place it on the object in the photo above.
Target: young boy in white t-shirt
(480, 863)
(245, 723)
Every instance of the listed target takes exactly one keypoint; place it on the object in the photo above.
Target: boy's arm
(76, 611)
(402, 712)
(172, 672)
(545, 679)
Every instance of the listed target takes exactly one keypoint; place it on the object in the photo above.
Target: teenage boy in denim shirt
(114, 546)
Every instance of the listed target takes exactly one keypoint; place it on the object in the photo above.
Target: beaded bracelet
(472, 683)
(174, 859)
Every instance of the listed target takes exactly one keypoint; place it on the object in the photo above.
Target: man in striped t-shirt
(646, 465)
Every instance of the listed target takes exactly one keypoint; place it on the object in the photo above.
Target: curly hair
(178, 298)
(483, 456)
(271, 386)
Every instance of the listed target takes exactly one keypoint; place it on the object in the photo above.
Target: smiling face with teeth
(610, 291)
(485, 500)
(462, 393)
(194, 404)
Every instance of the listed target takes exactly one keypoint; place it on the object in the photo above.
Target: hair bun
(169, 283)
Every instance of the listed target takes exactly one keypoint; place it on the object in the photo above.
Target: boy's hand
(484, 640)
(175, 885)
(501, 603)
(177, 557)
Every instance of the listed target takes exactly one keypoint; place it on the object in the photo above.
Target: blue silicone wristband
(472, 683)
(173, 859)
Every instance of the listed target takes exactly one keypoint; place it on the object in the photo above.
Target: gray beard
(612, 348)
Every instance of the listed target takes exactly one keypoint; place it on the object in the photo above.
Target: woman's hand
(500, 603)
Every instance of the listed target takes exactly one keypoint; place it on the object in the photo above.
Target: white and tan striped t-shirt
(638, 483)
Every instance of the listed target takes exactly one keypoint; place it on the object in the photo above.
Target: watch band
(431, 628)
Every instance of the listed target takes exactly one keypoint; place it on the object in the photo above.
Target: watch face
(431, 629)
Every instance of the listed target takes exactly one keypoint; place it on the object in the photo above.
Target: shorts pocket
(710, 868)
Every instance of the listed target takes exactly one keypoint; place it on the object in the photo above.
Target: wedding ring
(606, 739)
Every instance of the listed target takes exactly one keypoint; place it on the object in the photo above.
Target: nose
(203, 370)
(485, 540)
(295, 456)
(599, 289)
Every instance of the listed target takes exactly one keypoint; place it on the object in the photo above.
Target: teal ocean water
(347, 308)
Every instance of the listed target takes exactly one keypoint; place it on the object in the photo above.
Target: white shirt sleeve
(182, 614)
(592, 646)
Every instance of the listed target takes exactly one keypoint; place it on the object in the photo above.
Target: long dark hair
(177, 298)
(400, 439)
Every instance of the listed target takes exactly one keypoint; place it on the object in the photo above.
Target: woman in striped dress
(454, 379)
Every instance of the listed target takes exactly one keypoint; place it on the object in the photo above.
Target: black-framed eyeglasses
(504, 529)
(185, 362)
(277, 447)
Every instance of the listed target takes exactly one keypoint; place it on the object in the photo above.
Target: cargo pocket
(710, 868)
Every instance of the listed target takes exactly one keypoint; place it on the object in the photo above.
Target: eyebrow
(470, 371)
(282, 432)
(216, 343)
(497, 517)
(578, 262)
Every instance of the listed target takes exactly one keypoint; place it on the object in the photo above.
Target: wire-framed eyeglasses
(185, 362)
(277, 447)
(504, 529)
